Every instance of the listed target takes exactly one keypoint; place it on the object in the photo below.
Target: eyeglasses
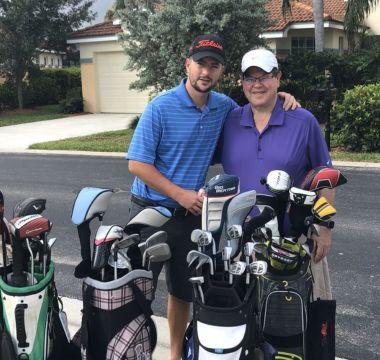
(262, 79)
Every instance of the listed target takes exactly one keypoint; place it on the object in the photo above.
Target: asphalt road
(353, 260)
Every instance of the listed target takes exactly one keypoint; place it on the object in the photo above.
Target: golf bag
(223, 327)
(116, 322)
(33, 324)
(283, 313)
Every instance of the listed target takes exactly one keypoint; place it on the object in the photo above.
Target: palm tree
(356, 12)
(319, 30)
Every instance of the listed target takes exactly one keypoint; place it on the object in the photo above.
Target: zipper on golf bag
(284, 316)
(116, 322)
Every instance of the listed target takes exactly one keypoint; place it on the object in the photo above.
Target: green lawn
(21, 116)
(111, 141)
(118, 141)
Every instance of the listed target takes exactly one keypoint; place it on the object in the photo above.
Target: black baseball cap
(208, 46)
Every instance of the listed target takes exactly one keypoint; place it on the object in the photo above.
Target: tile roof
(102, 29)
(302, 11)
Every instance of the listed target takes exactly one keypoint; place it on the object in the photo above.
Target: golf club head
(259, 247)
(197, 280)
(277, 182)
(258, 267)
(51, 242)
(323, 177)
(237, 268)
(157, 253)
(217, 192)
(156, 238)
(201, 237)
(234, 232)
(226, 253)
(152, 216)
(123, 261)
(202, 259)
(302, 197)
(104, 237)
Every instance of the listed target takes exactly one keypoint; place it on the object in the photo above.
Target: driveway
(19, 137)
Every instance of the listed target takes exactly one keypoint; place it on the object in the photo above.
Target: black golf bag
(223, 327)
(283, 302)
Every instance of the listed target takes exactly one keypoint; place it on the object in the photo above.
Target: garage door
(113, 82)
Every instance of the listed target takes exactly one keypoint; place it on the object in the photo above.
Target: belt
(181, 211)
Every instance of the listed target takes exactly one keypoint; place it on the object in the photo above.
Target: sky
(101, 7)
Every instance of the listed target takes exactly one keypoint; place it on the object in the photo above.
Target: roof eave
(91, 39)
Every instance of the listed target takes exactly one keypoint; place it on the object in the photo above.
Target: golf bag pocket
(223, 333)
(116, 322)
(283, 313)
(321, 330)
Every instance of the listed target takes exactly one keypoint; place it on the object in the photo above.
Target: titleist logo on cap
(211, 43)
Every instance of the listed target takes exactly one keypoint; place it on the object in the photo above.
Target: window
(340, 44)
(45, 61)
(58, 62)
(302, 43)
(52, 61)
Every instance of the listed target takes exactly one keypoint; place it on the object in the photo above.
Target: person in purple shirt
(261, 136)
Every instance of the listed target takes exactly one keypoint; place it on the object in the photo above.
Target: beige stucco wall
(87, 50)
(91, 103)
(2, 80)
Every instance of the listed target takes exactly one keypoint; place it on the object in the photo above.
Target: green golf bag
(32, 322)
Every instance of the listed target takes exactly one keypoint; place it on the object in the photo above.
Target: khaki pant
(321, 276)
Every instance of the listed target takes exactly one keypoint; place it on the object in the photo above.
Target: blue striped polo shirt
(179, 139)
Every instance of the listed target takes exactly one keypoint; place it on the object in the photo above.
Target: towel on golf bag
(283, 304)
(221, 332)
(116, 322)
(321, 330)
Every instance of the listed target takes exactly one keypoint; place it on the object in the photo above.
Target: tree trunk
(319, 30)
(19, 95)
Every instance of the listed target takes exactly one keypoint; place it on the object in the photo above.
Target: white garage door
(113, 82)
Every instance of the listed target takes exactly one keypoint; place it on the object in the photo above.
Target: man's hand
(290, 102)
(322, 243)
(190, 200)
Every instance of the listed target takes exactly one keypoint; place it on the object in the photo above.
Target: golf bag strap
(146, 309)
(85, 317)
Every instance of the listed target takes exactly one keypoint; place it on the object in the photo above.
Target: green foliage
(304, 75)
(134, 122)
(159, 36)
(356, 120)
(29, 25)
(43, 87)
(73, 102)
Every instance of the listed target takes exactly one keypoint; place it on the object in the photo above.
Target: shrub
(8, 97)
(356, 120)
(73, 102)
(134, 122)
(40, 91)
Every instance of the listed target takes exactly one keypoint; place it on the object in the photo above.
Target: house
(105, 82)
(295, 32)
(49, 59)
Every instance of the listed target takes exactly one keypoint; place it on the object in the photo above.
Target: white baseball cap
(261, 58)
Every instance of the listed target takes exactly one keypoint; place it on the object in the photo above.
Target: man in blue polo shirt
(261, 136)
(170, 153)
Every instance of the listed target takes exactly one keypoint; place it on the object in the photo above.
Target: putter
(197, 282)
(236, 269)
(248, 250)
(258, 267)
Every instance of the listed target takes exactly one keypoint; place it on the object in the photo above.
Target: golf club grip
(20, 325)
(260, 220)
(18, 277)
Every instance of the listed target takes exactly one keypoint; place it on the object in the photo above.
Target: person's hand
(191, 201)
(290, 102)
(322, 243)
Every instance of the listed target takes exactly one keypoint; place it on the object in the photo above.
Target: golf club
(248, 251)
(236, 269)
(277, 182)
(258, 267)
(160, 252)
(202, 258)
(156, 238)
(197, 282)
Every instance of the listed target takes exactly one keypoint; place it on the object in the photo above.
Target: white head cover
(261, 58)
